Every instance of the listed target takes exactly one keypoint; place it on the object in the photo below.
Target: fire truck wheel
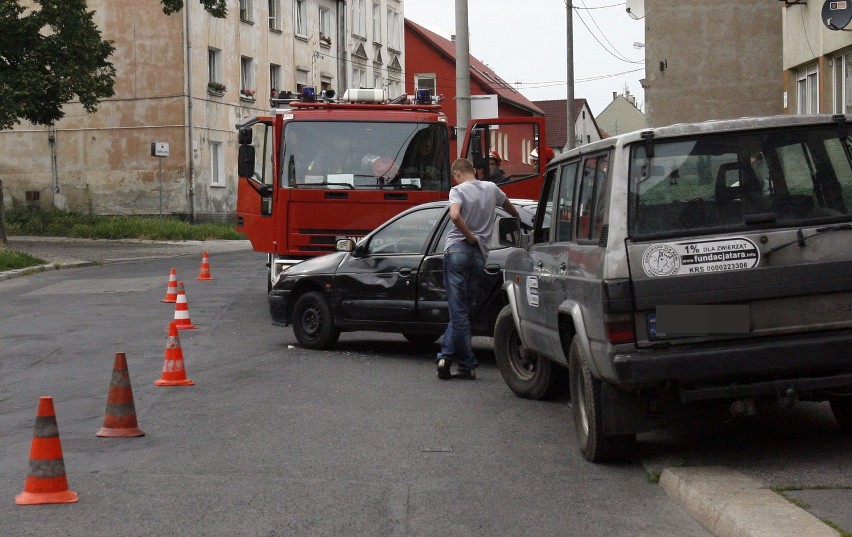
(313, 323)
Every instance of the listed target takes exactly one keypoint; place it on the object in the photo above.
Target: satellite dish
(636, 9)
(836, 14)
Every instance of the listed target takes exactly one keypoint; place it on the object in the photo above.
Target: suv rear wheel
(528, 374)
(313, 324)
(588, 413)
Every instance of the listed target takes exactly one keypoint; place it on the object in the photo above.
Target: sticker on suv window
(700, 257)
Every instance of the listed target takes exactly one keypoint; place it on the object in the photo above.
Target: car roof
(703, 127)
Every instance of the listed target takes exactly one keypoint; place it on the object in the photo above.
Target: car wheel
(527, 373)
(588, 413)
(313, 324)
(421, 340)
(842, 410)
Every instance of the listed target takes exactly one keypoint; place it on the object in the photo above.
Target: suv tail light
(620, 332)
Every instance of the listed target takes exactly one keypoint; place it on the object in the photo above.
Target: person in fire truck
(420, 159)
(496, 173)
(473, 204)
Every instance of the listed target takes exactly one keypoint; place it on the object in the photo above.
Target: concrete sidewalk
(727, 502)
(63, 252)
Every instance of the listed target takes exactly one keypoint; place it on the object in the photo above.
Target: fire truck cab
(319, 169)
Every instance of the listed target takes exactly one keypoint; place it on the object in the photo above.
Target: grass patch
(54, 223)
(12, 260)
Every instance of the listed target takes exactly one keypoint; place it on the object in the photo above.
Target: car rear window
(766, 178)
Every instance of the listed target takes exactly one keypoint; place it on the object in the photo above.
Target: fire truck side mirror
(244, 136)
(245, 161)
(476, 149)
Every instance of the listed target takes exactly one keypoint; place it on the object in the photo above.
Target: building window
(245, 10)
(274, 14)
(843, 84)
(394, 30)
(378, 81)
(394, 88)
(425, 81)
(214, 66)
(807, 89)
(325, 26)
(359, 77)
(301, 80)
(275, 79)
(359, 18)
(377, 22)
(301, 18)
(247, 86)
(217, 165)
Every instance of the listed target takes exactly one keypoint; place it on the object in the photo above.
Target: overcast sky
(525, 41)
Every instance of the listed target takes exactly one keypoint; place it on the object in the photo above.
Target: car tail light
(620, 332)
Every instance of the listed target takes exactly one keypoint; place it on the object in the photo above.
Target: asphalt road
(277, 440)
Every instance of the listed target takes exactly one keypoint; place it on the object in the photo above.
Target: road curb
(730, 504)
(17, 273)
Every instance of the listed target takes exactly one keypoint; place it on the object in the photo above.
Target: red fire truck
(320, 169)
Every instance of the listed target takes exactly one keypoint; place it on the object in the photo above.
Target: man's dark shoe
(444, 369)
(465, 374)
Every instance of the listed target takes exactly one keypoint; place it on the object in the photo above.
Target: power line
(617, 55)
(601, 7)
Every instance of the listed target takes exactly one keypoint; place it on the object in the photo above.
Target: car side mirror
(345, 245)
(509, 231)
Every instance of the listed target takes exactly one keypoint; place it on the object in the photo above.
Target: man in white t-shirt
(472, 211)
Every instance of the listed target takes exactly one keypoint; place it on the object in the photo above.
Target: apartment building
(185, 80)
(817, 61)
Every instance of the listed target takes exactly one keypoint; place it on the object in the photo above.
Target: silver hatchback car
(696, 262)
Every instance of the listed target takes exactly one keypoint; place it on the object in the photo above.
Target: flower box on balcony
(216, 88)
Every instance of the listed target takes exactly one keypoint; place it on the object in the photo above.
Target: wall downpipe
(190, 150)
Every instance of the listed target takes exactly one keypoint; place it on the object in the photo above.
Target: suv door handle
(405, 271)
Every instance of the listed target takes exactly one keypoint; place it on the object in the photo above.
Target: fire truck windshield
(365, 155)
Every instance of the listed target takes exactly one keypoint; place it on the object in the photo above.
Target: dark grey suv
(696, 262)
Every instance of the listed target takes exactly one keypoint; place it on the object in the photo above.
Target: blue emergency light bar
(308, 95)
(423, 96)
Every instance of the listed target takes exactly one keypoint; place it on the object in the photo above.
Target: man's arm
(461, 225)
(510, 208)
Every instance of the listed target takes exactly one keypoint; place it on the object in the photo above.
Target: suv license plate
(699, 320)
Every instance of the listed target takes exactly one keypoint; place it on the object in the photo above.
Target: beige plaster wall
(720, 59)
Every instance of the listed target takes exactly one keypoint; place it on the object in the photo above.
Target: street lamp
(637, 45)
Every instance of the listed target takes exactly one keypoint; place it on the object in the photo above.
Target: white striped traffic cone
(182, 321)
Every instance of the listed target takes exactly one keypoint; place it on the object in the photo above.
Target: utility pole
(570, 119)
(462, 71)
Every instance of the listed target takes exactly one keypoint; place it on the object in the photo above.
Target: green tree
(217, 8)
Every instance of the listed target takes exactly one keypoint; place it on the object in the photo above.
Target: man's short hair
(464, 166)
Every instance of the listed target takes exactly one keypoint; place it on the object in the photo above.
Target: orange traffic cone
(205, 268)
(182, 310)
(171, 290)
(120, 418)
(46, 481)
(174, 373)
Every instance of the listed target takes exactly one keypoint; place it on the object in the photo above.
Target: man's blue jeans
(463, 268)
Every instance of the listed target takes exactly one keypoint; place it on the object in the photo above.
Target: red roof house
(430, 62)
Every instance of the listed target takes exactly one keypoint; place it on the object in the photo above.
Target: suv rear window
(800, 176)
